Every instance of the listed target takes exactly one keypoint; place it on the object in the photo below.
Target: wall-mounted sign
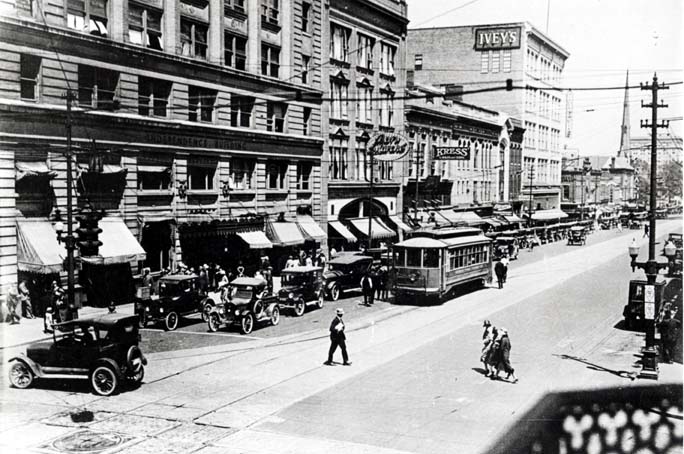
(452, 153)
(388, 146)
(497, 38)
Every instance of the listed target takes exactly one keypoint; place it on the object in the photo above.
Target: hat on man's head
(486, 323)
(503, 331)
(340, 311)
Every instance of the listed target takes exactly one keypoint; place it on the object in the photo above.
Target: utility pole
(415, 213)
(370, 198)
(529, 208)
(70, 240)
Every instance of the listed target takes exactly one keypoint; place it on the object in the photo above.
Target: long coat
(335, 333)
(505, 354)
(499, 270)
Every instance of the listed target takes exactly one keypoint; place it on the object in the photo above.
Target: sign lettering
(497, 38)
(452, 153)
(193, 142)
(388, 146)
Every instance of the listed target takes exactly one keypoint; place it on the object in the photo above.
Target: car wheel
(20, 375)
(135, 365)
(142, 319)
(299, 308)
(171, 321)
(275, 316)
(335, 293)
(213, 323)
(320, 300)
(247, 323)
(137, 378)
(104, 380)
(205, 311)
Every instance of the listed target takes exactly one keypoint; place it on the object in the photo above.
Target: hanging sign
(452, 153)
(388, 146)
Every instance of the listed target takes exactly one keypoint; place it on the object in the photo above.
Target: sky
(605, 38)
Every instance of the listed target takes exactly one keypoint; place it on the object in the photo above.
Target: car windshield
(295, 278)
(337, 267)
(168, 289)
(243, 292)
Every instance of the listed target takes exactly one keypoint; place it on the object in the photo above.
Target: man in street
(499, 270)
(669, 333)
(368, 289)
(25, 300)
(337, 338)
(645, 230)
(505, 262)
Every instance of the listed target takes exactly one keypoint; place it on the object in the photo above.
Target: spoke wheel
(320, 300)
(205, 311)
(20, 375)
(171, 321)
(213, 323)
(142, 319)
(247, 324)
(275, 316)
(299, 308)
(335, 293)
(104, 380)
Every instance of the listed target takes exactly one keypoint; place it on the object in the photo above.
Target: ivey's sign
(388, 146)
(497, 38)
(452, 153)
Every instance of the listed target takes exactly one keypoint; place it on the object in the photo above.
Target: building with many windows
(468, 59)
(196, 127)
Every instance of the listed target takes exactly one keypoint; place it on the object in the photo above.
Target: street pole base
(649, 364)
(650, 374)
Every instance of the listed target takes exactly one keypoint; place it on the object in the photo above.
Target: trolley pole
(370, 198)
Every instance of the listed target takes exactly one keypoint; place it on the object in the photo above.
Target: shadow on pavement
(599, 368)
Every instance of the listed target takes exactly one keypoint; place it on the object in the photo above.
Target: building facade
(669, 149)
(472, 60)
(195, 123)
(604, 180)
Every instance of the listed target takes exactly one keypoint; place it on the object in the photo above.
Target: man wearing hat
(337, 338)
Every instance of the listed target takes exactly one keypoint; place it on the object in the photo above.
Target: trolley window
(430, 258)
(400, 257)
(413, 257)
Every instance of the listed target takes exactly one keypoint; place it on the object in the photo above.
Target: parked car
(506, 246)
(248, 302)
(577, 235)
(345, 273)
(179, 295)
(301, 285)
(102, 349)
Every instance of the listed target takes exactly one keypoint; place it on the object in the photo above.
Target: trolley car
(434, 262)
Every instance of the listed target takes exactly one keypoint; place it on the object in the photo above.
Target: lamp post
(586, 167)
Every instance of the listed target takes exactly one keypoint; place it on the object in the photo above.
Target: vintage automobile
(248, 302)
(301, 285)
(102, 349)
(345, 273)
(179, 295)
(577, 235)
(506, 246)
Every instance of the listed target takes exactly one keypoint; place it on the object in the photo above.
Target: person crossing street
(338, 339)
(368, 289)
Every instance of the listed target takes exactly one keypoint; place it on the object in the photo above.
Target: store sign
(497, 38)
(452, 153)
(388, 146)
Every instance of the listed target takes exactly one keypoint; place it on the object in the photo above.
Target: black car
(301, 285)
(179, 295)
(102, 349)
(345, 273)
(248, 302)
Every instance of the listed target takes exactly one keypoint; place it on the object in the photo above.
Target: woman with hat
(488, 337)
(504, 356)
(337, 338)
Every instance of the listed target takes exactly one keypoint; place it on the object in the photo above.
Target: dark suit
(500, 271)
(337, 337)
(368, 289)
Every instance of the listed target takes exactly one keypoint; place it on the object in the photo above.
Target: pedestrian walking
(488, 338)
(333, 252)
(203, 278)
(367, 289)
(338, 339)
(25, 300)
(499, 270)
(619, 226)
(13, 306)
(505, 262)
(48, 320)
(384, 277)
(504, 356)
(669, 334)
(378, 283)
(645, 230)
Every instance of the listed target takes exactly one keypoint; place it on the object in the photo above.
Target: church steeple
(624, 137)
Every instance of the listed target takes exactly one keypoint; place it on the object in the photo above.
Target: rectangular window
(387, 109)
(339, 43)
(153, 175)
(276, 113)
(339, 152)
(306, 63)
(30, 76)
(201, 175)
(144, 26)
(418, 62)
(153, 96)
(365, 51)
(235, 51)
(339, 94)
(306, 121)
(306, 17)
(364, 109)
(386, 169)
(241, 172)
(361, 160)
(235, 5)
(276, 175)
(387, 55)
(270, 60)
(88, 16)
(193, 38)
(201, 104)
(97, 88)
(270, 11)
(304, 176)
(506, 61)
(484, 62)
(496, 61)
(241, 108)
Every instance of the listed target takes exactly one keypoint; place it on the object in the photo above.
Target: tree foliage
(669, 180)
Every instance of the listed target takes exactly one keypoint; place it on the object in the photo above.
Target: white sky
(604, 39)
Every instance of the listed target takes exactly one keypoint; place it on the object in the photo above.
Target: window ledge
(388, 77)
(339, 121)
(364, 70)
(276, 191)
(340, 63)
(242, 191)
(270, 26)
(387, 128)
(203, 191)
(232, 12)
(364, 124)
(154, 192)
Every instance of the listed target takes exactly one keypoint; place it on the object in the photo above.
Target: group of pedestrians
(496, 352)
(376, 284)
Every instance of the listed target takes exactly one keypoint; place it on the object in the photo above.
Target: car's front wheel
(20, 375)
(320, 300)
(275, 316)
(299, 308)
(335, 292)
(104, 380)
(247, 323)
(213, 323)
(171, 321)
(208, 306)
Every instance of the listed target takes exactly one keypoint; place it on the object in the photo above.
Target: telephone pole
(415, 208)
(70, 240)
(529, 207)
(370, 198)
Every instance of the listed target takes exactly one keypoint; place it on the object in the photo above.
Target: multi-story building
(195, 125)
(366, 77)
(669, 149)
(468, 59)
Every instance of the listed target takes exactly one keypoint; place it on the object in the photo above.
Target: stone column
(286, 52)
(117, 21)
(253, 27)
(171, 26)
(215, 37)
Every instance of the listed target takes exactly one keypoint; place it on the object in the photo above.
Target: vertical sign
(649, 302)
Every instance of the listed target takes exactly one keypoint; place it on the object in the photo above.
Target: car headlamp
(161, 310)
(290, 295)
(237, 312)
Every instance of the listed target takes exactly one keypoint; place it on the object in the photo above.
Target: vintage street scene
(341, 226)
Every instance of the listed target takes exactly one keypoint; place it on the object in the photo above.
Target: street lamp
(586, 167)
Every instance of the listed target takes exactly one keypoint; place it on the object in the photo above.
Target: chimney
(612, 162)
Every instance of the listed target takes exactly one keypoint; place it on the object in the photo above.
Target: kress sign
(387, 146)
(452, 153)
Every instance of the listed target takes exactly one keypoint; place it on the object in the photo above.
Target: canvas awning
(118, 244)
(399, 223)
(256, 239)
(378, 230)
(153, 169)
(33, 169)
(548, 215)
(37, 248)
(512, 218)
(107, 169)
(462, 217)
(284, 234)
(493, 222)
(310, 228)
(343, 231)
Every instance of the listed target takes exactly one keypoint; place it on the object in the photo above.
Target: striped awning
(399, 223)
(118, 244)
(377, 228)
(256, 239)
(548, 215)
(37, 248)
(284, 234)
(310, 228)
(342, 231)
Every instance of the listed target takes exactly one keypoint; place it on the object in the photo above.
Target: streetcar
(433, 262)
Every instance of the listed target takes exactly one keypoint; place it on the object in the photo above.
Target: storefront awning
(512, 218)
(37, 248)
(342, 230)
(378, 230)
(462, 217)
(153, 169)
(118, 244)
(256, 240)
(548, 215)
(33, 169)
(400, 224)
(310, 228)
(493, 222)
(284, 234)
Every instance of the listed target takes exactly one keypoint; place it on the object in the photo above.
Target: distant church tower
(624, 137)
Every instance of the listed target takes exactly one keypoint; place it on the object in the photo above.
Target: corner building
(196, 126)
(466, 58)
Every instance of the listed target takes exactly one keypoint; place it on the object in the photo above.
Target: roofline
(449, 115)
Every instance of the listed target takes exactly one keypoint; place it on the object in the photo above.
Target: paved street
(415, 384)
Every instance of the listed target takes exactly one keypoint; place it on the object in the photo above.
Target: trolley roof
(425, 242)
(447, 232)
